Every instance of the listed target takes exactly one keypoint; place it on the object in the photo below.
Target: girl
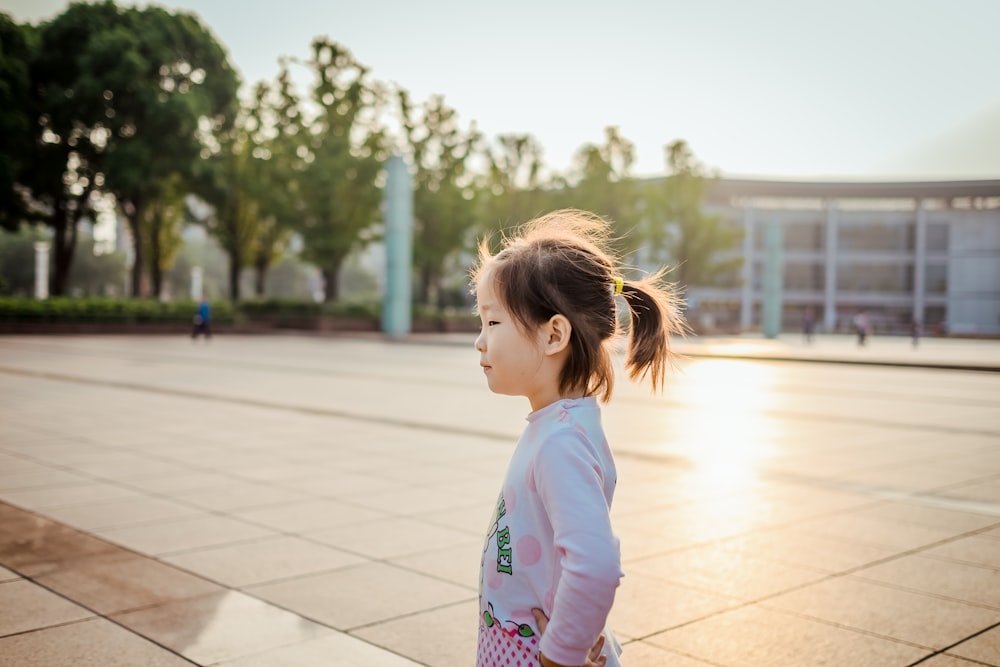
(551, 562)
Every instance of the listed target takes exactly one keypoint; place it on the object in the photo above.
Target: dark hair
(560, 263)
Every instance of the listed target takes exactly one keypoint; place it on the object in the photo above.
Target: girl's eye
(491, 323)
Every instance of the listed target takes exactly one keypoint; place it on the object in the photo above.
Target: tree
(445, 196)
(174, 91)
(344, 151)
(71, 110)
(16, 120)
(516, 183)
(162, 224)
(694, 242)
(604, 185)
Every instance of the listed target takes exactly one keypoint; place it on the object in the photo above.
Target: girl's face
(511, 358)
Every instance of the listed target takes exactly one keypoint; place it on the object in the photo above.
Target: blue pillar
(773, 270)
(398, 248)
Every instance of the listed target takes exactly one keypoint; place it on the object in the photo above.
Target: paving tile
(307, 515)
(190, 532)
(968, 583)
(974, 550)
(933, 517)
(797, 547)
(110, 514)
(222, 626)
(8, 575)
(753, 636)
(58, 496)
(918, 619)
(720, 570)
(362, 594)
(176, 485)
(26, 606)
(878, 531)
(237, 495)
(644, 654)
(439, 637)
(122, 581)
(349, 652)
(646, 605)
(984, 647)
(945, 660)
(91, 643)
(259, 561)
(40, 477)
(33, 545)
(389, 538)
(458, 563)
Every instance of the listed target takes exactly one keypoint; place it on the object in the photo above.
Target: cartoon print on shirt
(505, 564)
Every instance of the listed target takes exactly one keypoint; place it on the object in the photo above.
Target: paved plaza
(305, 500)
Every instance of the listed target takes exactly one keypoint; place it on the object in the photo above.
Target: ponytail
(653, 310)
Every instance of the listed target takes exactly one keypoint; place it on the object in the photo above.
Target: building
(924, 251)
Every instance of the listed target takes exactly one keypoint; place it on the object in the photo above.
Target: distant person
(202, 321)
(862, 327)
(551, 563)
(915, 330)
(808, 324)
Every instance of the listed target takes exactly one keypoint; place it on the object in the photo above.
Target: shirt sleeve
(570, 483)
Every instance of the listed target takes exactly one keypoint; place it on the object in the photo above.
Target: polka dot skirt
(499, 648)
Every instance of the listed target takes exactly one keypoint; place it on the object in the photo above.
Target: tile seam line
(958, 643)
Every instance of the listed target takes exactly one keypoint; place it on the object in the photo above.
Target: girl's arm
(570, 484)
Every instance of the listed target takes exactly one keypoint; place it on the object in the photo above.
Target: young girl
(551, 562)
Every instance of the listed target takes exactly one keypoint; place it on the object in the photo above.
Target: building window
(936, 278)
(937, 237)
(876, 237)
(863, 277)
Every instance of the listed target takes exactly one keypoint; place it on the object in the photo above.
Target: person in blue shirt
(202, 321)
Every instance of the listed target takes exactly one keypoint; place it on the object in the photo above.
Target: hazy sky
(789, 88)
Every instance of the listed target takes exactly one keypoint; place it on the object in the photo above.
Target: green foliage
(444, 190)
(605, 186)
(680, 233)
(104, 310)
(339, 193)
(16, 119)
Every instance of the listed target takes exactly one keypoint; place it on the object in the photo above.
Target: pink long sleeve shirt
(550, 544)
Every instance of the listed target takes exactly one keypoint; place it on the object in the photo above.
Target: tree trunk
(331, 278)
(155, 272)
(235, 269)
(260, 280)
(64, 245)
(133, 212)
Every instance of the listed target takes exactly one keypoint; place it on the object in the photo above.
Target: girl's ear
(558, 330)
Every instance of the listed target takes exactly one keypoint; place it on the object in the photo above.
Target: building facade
(925, 252)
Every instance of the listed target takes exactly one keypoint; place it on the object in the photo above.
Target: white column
(41, 270)
(830, 268)
(746, 297)
(197, 281)
(920, 262)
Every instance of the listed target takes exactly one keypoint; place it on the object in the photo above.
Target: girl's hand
(594, 658)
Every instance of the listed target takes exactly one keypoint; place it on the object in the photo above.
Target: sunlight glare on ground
(724, 431)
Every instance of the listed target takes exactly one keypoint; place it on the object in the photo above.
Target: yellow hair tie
(619, 284)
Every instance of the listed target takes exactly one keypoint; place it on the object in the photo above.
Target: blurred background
(237, 151)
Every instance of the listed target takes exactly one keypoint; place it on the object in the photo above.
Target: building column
(830, 268)
(746, 294)
(41, 269)
(396, 309)
(920, 263)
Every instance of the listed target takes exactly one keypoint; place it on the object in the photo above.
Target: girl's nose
(481, 341)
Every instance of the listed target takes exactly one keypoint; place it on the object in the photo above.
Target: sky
(788, 89)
